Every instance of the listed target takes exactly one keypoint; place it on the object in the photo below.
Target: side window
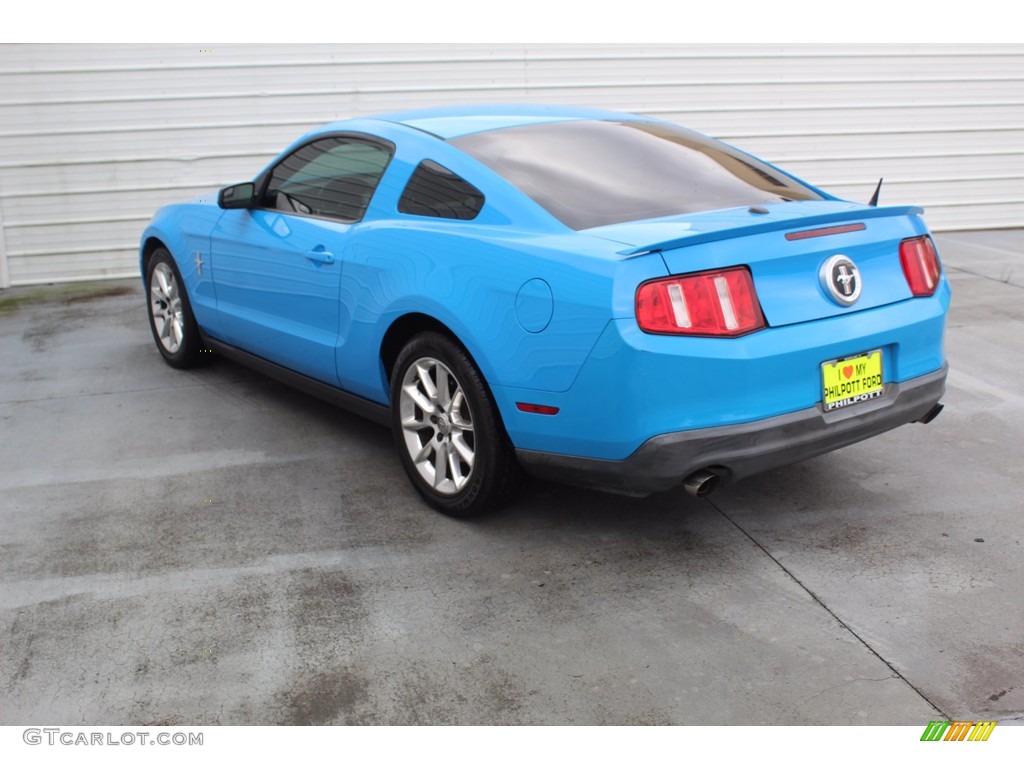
(436, 191)
(333, 177)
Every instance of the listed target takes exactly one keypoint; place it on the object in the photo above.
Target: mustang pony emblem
(840, 280)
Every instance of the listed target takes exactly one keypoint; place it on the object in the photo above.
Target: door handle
(319, 256)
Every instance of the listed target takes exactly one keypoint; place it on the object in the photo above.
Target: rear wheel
(170, 313)
(449, 434)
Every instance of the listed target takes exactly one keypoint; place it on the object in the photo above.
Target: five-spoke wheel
(170, 314)
(449, 434)
(165, 308)
(437, 425)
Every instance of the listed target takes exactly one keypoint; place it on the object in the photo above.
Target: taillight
(719, 303)
(920, 265)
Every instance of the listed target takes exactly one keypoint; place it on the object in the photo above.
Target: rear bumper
(739, 450)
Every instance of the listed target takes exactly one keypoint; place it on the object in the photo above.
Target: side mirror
(237, 196)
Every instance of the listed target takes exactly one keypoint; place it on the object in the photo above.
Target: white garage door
(94, 138)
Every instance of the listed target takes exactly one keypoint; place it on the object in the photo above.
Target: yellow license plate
(853, 380)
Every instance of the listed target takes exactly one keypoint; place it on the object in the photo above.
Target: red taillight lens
(719, 303)
(920, 265)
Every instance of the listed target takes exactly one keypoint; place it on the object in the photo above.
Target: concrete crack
(851, 682)
(819, 601)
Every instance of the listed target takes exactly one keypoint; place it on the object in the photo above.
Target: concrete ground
(209, 547)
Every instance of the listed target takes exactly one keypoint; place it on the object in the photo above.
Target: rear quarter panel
(525, 295)
(528, 308)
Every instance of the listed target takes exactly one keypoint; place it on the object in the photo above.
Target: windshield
(590, 173)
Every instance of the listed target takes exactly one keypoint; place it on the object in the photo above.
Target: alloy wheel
(437, 426)
(167, 313)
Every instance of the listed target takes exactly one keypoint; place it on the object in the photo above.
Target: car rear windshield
(589, 173)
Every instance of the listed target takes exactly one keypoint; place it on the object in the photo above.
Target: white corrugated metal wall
(94, 138)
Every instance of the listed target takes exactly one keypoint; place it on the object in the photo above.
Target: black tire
(462, 435)
(170, 313)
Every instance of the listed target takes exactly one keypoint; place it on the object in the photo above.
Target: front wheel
(170, 313)
(449, 434)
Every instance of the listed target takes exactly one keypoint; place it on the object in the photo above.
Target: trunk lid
(785, 250)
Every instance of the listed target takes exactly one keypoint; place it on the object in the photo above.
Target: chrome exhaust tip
(701, 483)
(935, 411)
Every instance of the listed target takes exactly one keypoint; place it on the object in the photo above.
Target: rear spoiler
(696, 237)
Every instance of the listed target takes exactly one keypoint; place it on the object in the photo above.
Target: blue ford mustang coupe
(595, 297)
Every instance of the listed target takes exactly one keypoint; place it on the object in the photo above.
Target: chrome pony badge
(840, 278)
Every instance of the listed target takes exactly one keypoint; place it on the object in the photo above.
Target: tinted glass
(333, 177)
(589, 173)
(435, 191)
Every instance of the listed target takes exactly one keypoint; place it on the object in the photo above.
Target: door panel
(277, 267)
(277, 278)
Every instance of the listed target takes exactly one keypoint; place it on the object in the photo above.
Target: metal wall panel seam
(77, 279)
(826, 183)
(931, 155)
(833, 107)
(68, 222)
(511, 85)
(866, 132)
(688, 110)
(67, 131)
(956, 110)
(107, 190)
(513, 57)
(143, 159)
(85, 249)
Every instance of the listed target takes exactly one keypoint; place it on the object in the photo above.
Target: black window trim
(263, 180)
